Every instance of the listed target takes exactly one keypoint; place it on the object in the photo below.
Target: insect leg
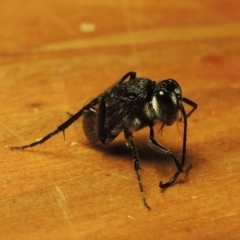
(158, 147)
(74, 117)
(132, 145)
(131, 76)
(191, 103)
(62, 127)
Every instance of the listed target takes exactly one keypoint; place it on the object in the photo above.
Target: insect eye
(164, 97)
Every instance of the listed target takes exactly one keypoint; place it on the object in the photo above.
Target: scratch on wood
(10, 130)
(62, 202)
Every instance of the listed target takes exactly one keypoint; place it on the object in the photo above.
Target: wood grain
(56, 55)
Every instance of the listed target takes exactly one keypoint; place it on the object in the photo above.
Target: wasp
(130, 105)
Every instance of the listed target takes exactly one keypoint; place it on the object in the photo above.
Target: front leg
(131, 144)
(160, 148)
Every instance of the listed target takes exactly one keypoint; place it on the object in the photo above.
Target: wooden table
(55, 56)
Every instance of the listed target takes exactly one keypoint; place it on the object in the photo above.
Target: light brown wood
(56, 55)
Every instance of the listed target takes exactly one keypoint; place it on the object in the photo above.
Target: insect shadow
(129, 106)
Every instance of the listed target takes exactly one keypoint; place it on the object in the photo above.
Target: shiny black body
(127, 107)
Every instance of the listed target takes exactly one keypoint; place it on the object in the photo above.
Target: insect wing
(86, 127)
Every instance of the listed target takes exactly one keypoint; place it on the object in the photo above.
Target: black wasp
(129, 106)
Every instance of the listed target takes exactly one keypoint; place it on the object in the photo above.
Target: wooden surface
(56, 55)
